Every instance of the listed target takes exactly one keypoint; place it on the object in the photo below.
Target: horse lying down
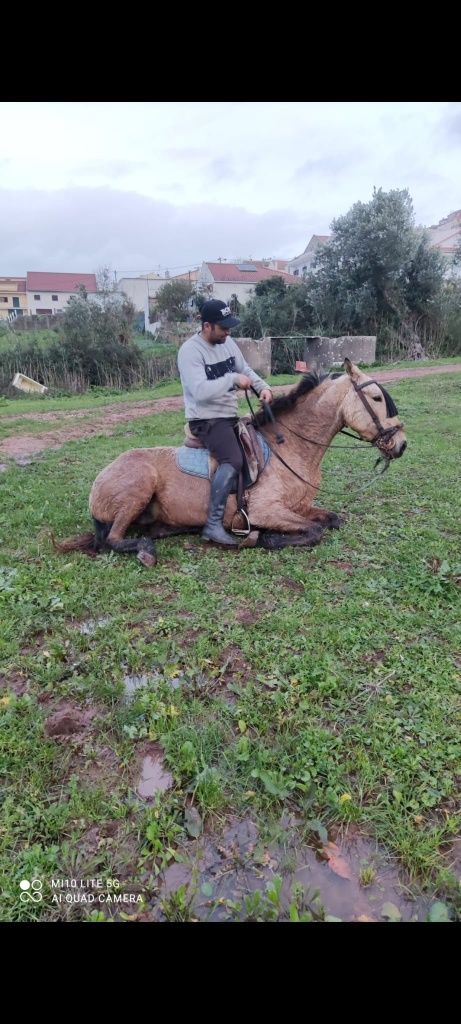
(145, 490)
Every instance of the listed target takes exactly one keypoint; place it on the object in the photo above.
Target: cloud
(329, 166)
(450, 126)
(223, 169)
(81, 229)
(185, 153)
(109, 168)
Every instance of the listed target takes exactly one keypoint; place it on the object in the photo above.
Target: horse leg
(144, 546)
(272, 540)
(329, 520)
(161, 530)
(299, 531)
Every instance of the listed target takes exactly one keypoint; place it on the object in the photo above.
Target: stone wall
(257, 354)
(328, 352)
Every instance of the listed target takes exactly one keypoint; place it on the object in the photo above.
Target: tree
(277, 309)
(105, 283)
(376, 269)
(173, 300)
(94, 337)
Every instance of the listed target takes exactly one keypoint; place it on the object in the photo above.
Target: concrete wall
(330, 351)
(257, 354)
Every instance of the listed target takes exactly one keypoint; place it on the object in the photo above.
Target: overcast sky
(144, 186)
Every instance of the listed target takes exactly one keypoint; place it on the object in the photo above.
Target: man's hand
(266, 395)
(244, 382)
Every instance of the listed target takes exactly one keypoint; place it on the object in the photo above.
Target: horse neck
(318, 416)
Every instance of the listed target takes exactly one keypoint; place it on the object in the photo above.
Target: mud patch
(14, 681)
(246, 616)
(21, 447)
(290, 584)
(344, 566)
(69, 720)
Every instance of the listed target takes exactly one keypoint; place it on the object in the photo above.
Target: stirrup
(247, 529)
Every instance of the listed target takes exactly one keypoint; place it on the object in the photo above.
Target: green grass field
(300, 697)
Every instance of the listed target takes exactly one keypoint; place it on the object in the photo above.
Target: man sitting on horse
(211, 367)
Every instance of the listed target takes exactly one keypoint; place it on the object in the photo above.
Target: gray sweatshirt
(208, 375)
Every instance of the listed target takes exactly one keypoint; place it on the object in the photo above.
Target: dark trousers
(220, 439)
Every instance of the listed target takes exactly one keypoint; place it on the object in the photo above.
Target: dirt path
(21, 447)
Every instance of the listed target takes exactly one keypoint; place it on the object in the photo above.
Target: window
(15, 301)
(296, 273)
(37, 297)
(54, 298)
(5, 299)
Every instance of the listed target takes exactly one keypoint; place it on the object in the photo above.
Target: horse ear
(349, 367)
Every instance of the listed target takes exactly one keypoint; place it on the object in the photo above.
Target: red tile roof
(50, 282)
(229, 272)
(20, 282)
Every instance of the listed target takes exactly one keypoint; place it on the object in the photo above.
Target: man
(211, 367)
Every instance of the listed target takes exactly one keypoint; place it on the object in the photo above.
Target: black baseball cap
(216, 312)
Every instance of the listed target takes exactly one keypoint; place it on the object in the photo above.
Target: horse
(143, 488)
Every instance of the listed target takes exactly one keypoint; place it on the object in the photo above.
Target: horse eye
(376, 398)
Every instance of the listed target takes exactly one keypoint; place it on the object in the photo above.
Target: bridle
(384, 433)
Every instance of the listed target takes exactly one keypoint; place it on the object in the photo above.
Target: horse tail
(88, 543)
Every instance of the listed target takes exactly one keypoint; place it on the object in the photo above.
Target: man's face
(215, 334)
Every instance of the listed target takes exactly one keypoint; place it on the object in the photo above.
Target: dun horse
(145, 490)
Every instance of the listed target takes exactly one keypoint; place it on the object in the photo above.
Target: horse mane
(285, 403)
(309, 382)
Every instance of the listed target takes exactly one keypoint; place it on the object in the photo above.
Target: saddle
(254, 455)
(255, 450)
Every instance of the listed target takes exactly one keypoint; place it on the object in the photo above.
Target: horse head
(369, 409)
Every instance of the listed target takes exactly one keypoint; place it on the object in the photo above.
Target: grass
(342, 687)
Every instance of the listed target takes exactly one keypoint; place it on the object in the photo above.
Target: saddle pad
(198, 462)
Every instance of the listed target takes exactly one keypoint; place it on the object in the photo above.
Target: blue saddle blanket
(196, 461)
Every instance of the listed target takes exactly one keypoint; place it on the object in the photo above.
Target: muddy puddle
(348, 880)
(154, 777)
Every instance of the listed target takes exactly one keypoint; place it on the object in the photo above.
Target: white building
(140, 290)
(301, 265)
(50, 292)
(446, 238)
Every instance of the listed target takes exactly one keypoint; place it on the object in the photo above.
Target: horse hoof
(250, 541)
(146, 558)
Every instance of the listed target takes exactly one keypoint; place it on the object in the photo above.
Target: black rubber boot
(221, 486)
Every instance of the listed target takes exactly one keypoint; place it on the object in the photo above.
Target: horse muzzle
(393, 447)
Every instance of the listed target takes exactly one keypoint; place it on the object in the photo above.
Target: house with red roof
(13, 299)
(226, 280)
(49, 292)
